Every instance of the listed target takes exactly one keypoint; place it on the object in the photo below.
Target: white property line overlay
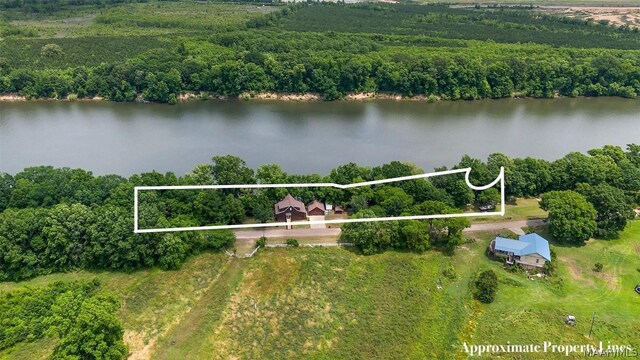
(467, 171)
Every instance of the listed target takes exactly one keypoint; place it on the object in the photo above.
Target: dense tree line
(83, 321)
(162, 75)
(394, 53)
(61, 219)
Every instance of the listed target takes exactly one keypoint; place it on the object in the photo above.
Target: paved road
(302, 233)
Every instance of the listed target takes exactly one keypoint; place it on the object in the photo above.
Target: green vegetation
(83, 323)
(420, 302)
(334, 303)
(571, 216)
(54, 220)
(486, 286)
(516, 209)
(159, 50)
(501, 25)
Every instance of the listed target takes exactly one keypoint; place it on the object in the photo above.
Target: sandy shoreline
(191, 96)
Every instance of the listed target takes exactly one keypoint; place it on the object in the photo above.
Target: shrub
(292, 242)
(449, 273)
(51, 50)
(598, 267)
(551, 266)
(486, 286)
(261, 242)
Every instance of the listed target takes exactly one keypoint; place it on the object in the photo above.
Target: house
(530, 250)
(290, 209)
(316, 208)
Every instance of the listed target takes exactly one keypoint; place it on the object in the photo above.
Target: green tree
(415, 235)
(96, 332)
(444, 233)
(370, 237)
(66, 233)
(263, 210)
(232, 210)
(231, 170)
(486, 286)
(488, 197)
(394, 200)
(572, 218)
(613, 211)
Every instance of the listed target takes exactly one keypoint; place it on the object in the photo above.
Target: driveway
(281, 233)
(317, 218)
(302, 233)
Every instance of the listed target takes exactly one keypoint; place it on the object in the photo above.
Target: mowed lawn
(518, 209)
(333, 303)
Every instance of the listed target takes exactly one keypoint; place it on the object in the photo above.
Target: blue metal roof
(525, 245)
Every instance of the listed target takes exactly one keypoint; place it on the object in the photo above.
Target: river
(304, 137)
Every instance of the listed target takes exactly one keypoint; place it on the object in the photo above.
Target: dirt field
(618, 16)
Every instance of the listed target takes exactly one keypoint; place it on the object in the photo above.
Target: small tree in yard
(293, 242)
(486, 286)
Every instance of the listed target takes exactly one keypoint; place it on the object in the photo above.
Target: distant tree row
(161, 76)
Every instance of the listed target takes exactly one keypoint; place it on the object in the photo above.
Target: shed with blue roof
(529, 250)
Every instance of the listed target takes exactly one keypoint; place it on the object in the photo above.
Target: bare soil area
(618, 16)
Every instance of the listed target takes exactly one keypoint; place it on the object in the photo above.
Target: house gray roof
(525, 245)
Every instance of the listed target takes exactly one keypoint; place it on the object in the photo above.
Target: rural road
(503, 225)
(280, 233)
(302, 233)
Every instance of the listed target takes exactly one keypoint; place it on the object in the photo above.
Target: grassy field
(90, 36)
(519, 209)
(330, 303)
(153, 301)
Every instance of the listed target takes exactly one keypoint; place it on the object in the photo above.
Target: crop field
(90, 36)
(136, 18)
(333, 303)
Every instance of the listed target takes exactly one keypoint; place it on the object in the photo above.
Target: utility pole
(593, 319)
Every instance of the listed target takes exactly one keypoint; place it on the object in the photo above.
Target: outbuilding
(316, 208)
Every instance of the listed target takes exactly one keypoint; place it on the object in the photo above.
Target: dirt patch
(613, 282)
(576, 272)
(138, 350)
(618, 16)
(12, 97)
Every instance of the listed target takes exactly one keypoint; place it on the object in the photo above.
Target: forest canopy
(226, 50)
(60, 219)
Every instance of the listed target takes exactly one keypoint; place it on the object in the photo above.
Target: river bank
(307, 97)
(193, 96)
